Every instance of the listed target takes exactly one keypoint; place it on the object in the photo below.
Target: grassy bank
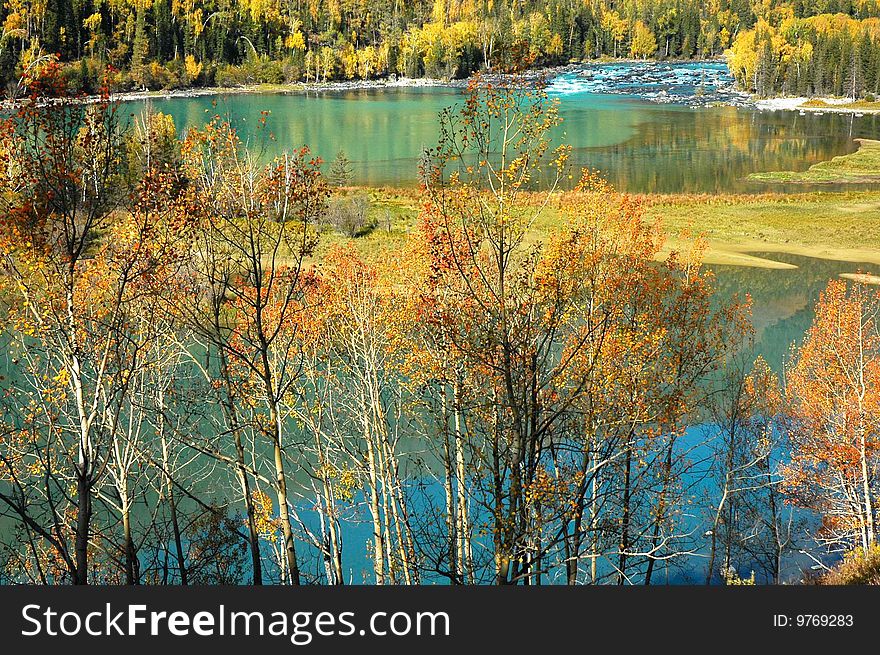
(856, 105)
(861, 166)
(841, 226)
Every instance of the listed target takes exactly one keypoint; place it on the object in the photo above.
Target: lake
(612, 121)
(782, 299)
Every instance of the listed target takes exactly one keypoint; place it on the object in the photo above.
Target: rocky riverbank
(688, 83)
(299, 87)
(691, 83)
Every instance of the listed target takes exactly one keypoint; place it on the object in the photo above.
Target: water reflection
(782, 299)
(639, 145)
(712, 150)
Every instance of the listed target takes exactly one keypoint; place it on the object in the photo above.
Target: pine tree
(340, 170)
(140, 48)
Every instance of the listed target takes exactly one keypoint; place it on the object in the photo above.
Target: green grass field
(843, 226)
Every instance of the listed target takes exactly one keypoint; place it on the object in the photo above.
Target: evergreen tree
(340, 170)
(251, 41)
(140, 49)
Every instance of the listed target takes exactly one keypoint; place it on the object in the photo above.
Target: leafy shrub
(293, 72)
(156, 77)
(349, 215)
(84, 76)
(255, 70)
(270, 71)
(228, 75)
(151, 141)
(732, 579)
(857, 568)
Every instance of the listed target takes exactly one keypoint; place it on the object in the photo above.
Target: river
(647, 128)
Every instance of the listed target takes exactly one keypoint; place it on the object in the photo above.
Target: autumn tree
(500, 135)
(365, 323)
(78, 279)
(647, 340)
(615, 27)
(750, 525)
(550, 349)
(643, 44)
(257, 232)
(832, 386)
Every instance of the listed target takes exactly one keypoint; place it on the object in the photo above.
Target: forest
(801, 47)
(192, 392)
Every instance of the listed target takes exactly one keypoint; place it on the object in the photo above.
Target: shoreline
(295, 87)
(829, 105)
(745, 253)
(859, 167)
(782, 103)
(390, 82)
(747, 231)
(740, 230)
(737, 248)
(742, 99)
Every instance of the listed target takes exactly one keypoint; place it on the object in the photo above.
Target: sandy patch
(831, 105)
(864, 278)
(774, 104)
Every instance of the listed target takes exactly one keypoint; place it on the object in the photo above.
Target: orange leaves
(498, 138)
(44, 78)
(366, 306)
(587, 324)
(837, 374)
(235, 186)
(646, 332)
(832, 391)
(250, 278)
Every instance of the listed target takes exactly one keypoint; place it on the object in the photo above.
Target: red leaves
(45, 79)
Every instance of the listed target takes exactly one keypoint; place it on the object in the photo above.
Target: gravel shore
(833, 105)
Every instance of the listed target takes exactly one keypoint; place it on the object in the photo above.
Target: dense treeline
(194, 393)
(172, 43)
(820, 55)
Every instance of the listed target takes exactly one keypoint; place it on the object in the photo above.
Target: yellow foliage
(193, 68)
(643, 42)
(732, 579)
(93, 22)
(266, 523)
(14, 22)
(295, 41)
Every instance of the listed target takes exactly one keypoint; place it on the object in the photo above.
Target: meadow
(829, 225)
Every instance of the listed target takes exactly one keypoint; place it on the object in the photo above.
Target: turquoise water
(782, 299)
(639, 145)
